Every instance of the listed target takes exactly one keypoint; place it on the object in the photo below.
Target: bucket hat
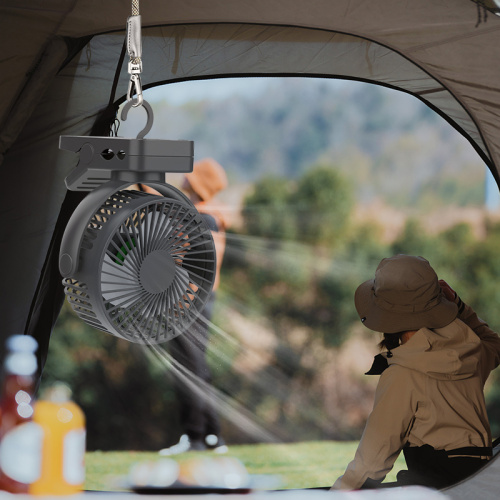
(207, 178)
(405, 295)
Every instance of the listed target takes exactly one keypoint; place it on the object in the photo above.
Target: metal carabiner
(135, 83)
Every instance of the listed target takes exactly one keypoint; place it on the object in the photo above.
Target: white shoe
(181, 447)
(221, 449)
(216, 444)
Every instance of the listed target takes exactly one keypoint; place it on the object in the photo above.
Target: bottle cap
(21, 343)
(21, 363)
(59, 392)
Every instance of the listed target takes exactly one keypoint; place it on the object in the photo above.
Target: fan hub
(157, 271)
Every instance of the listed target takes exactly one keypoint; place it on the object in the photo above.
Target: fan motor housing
(144, 266)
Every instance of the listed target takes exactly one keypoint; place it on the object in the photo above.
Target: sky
(180, 93)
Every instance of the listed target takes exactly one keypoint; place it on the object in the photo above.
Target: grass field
(297, 465)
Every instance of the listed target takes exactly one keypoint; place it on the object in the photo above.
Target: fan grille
(79, 299)
(151, 261)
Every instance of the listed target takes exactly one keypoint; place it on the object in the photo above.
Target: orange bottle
(20, 437)
(63, 451)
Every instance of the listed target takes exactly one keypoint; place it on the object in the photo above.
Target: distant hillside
(391, 145)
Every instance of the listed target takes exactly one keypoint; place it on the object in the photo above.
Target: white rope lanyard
(135, 7)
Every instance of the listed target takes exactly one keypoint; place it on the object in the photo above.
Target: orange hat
(207, 178)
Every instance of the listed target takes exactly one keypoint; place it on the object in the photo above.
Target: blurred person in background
(198, 415)
(429, 401)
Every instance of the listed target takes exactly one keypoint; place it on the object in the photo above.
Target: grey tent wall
(49, 294)
(26, 176)
(35, 203)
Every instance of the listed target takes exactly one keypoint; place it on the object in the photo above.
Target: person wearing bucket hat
(429, 401)
(198, 416)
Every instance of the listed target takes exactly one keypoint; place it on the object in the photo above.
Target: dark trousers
(197, 413)
(433, 468)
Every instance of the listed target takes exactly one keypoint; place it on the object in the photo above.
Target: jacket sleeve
(385, 431)
(490, 341)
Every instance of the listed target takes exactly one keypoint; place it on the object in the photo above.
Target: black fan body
(136, 265)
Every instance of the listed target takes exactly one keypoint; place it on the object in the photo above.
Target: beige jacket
(431, 393)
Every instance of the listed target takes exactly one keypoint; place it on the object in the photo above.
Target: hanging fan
(136, 265)
(147, 265)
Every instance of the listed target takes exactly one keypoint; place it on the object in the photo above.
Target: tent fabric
(59, 61)
(33, 175)
(32, 53)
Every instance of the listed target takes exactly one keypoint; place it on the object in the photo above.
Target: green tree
(301, 282)
(267, 211)
(362, 251)
(414, 241)
(324, 201)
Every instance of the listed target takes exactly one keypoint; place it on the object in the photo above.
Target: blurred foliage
(323, 203)
(315, 210)
(289, 276)
(267, 212)
(127, 400)
(316, 293)
(312, 215)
